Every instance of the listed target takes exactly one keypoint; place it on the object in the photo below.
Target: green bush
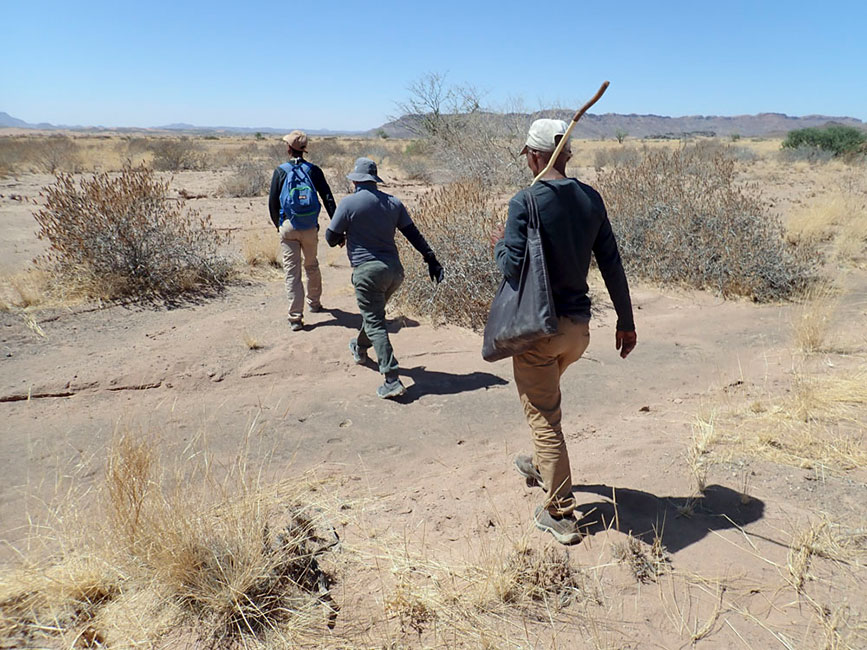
(681, 217)
(121, 236)
(835, 138)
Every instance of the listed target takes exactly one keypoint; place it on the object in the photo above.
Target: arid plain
(723, 464)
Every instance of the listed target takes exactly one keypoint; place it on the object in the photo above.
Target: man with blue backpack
(294, 208)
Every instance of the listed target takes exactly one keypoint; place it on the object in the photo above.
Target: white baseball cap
(543, 134)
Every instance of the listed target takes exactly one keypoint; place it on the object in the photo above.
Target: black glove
(434, 268)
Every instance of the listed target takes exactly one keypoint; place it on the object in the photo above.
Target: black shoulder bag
(523, 309)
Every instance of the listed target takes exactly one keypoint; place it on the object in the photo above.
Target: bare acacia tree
(467, 140)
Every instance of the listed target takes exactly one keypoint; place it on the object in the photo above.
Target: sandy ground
(436, 466)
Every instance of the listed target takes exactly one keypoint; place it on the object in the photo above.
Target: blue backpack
(298, 200)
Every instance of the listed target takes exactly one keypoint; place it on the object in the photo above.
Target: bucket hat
(364, 170)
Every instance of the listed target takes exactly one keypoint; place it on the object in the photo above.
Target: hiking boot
(526, 468)
(564, 529)
(296, 325)
(359, 355)
(391, 389)
(315, 309)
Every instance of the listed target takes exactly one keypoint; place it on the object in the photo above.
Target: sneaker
(315, 309)
(526, 468)
(564, 529)
(391, 389)
(296, 325)
(358, 355)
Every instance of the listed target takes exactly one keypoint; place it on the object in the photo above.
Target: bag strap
(532, 209)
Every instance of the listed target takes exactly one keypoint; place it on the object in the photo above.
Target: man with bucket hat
(295, 211)
(573, 225)
(366, 222)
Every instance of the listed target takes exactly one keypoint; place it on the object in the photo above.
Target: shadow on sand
(352, 321)
(434, 382)
(678, 521)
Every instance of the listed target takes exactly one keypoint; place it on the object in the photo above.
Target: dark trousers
(374, 283)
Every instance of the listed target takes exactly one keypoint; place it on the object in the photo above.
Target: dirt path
(438, 464)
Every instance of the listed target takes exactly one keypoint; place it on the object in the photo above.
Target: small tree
(179, 154)
(620, 134)
(835, 138)
(465, 139)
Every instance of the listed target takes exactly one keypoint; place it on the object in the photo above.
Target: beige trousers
(298, 244)
(537, 376)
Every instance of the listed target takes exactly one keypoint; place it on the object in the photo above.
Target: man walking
(574, 223)
(366, 222)
(295, 211)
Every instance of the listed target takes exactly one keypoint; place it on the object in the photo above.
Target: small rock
(644, 409)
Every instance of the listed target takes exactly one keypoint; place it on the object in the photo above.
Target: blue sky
(343, 65)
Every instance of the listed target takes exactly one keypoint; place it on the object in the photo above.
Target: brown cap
(297, 140)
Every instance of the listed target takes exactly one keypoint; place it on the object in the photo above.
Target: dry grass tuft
(482, 603)
(31, 288)
(812, 322)
(698, 454)
(646, 563)
(174, 550)
(251, 342)
(457, 221)
(262, 248)
(840, 220)
(820, 422)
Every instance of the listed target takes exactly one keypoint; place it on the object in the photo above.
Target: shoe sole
(393, 394)
(359, 360)
(566, 540)
(531, 479)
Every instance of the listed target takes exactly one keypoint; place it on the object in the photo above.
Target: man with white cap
(574, 224)
(366, 222)
(295, 211)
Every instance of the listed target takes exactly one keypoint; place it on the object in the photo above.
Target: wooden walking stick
(565, 137)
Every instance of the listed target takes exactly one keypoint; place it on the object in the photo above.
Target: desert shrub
(457, 221)
(121, 236)
(323, 152)
(177, 154)
(416, 168)
(836, 138)
(806, 153)
(10, 156)
(465, 139)
(47, 154)
(681, 217)
(58, 153)
(617, 156)
(249, 178)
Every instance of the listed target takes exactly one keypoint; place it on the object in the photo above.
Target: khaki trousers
(537, 377)
(296, 244)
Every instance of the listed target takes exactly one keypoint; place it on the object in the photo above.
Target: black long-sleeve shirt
(319, 183)
(574, 223)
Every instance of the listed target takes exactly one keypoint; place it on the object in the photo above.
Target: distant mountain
(7, 120)
(607, 125)
(593, 126)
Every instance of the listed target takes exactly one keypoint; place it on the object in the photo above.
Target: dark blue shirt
(574, 225)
